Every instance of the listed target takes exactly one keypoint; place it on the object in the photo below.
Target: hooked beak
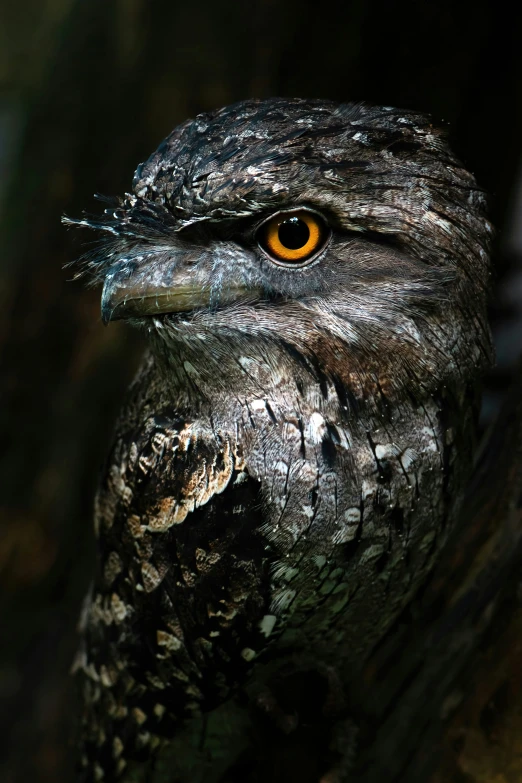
(134, 296)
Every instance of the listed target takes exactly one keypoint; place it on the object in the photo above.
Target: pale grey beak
(135, 296)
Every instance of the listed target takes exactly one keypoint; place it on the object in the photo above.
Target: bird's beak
(135, 296)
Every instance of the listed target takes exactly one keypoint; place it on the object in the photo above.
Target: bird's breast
(353, 515)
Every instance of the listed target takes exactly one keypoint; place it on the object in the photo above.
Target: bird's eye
(293, 238)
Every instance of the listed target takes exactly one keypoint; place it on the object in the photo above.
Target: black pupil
(293, 233)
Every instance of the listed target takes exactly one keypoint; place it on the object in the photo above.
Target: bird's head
(344, 240)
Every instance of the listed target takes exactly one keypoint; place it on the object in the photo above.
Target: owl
(311, 279)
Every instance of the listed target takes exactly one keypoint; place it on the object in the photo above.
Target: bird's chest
(353, 515)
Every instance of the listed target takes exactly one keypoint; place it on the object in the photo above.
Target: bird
(312, 280)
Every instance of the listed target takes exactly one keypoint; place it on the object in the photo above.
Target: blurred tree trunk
(95, 86)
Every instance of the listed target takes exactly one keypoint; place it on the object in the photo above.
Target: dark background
(87, 90)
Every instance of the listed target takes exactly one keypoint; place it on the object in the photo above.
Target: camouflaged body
(288, 535)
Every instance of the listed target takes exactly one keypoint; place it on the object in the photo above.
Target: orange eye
(293, 237)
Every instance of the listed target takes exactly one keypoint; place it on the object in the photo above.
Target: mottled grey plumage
(293, 450)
